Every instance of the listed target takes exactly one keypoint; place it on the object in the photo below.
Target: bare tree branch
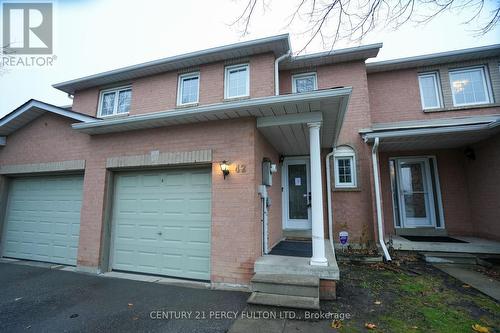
(334, 20)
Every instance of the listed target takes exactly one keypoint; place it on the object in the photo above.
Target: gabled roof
(279, 45)
(435, 58)
(33, 109)
(334, 56)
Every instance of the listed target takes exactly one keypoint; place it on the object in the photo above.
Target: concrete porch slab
(473, 245)
(468, 275)
(273, 264)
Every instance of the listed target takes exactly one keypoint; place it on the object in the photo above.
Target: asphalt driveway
(47, 300)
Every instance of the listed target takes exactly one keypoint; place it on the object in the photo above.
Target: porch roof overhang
(279, 118)
(31, 110)
(432, 134)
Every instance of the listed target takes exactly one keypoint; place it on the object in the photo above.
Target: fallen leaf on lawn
(370, 326)
(336, 324)
(130, 305)
(18, 298)
(377, 302)
(414, 327)
(480, 329)
(135, 318)
(465, 286)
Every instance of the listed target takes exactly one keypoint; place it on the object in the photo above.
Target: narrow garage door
(43, 219)
(161, 222)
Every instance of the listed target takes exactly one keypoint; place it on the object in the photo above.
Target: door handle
(159, 233)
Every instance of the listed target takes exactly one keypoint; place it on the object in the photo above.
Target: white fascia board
(220, 107)
(289, 119)
(46, 107)
(369, 137)
(487, 119)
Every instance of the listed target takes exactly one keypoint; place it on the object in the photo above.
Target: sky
(92, 36)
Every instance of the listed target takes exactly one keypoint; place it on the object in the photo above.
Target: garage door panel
(161, 220)
(43, 218)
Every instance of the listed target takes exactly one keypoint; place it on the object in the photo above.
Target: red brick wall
(159, 92)
(235, 229)
(453, 185)
(483, 179)
(352, 208)
(395, 96)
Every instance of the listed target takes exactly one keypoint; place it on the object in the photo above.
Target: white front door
(415, 193)
(296, 193)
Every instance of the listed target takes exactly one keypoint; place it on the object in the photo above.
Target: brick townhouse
(206, 165)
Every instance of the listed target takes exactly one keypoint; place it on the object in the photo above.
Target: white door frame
(428, 185)
(298, 224)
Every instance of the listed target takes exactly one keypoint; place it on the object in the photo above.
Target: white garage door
(43, 219)
(161, 222)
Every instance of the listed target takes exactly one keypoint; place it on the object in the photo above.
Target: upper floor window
(115, 101)
(470, 86)
(188, 90)
(237, 81)
(304, 82)
(430, 90)
(345, 167)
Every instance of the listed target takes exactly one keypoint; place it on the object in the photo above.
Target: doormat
(440, 239)
(293, 249)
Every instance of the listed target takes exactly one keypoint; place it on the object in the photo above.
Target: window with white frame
(237, 81)
(115, 101)
(470, 86)
(304, 82)
(430, 90)
(188, 89)
(345, 167)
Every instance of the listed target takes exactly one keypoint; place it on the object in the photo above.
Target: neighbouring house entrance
(296, 193)
(416, 192)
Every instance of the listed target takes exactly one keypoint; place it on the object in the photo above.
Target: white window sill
(113, 116)
(461, 108)
(237, 98)
(187, 105)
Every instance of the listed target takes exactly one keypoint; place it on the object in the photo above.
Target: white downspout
(265, 218)
(376, 180)
(277, 73)
(329, 198)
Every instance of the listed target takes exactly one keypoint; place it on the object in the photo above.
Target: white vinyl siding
(304, 82)
(188, 89)
(470, 86)
(237, 81)
(115, 101)
(345, 168)
(430, 90)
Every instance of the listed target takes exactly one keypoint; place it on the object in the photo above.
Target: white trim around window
(115, 100)
(459, 85)
(344, 167)
(233, 70)
(180, 88)
(438, 103)
(304, 75)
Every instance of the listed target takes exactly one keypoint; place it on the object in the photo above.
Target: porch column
(318, 237)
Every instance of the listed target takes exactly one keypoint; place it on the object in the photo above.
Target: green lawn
(412, 298)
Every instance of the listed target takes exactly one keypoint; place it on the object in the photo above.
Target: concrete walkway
(468, 275)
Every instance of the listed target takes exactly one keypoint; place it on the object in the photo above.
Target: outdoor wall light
(224, 166)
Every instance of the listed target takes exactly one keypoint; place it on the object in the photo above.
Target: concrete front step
(449, 257)
(289, 284)
(299, 302)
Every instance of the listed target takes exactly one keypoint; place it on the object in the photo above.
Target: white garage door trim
(161, 222)
(42, 218)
